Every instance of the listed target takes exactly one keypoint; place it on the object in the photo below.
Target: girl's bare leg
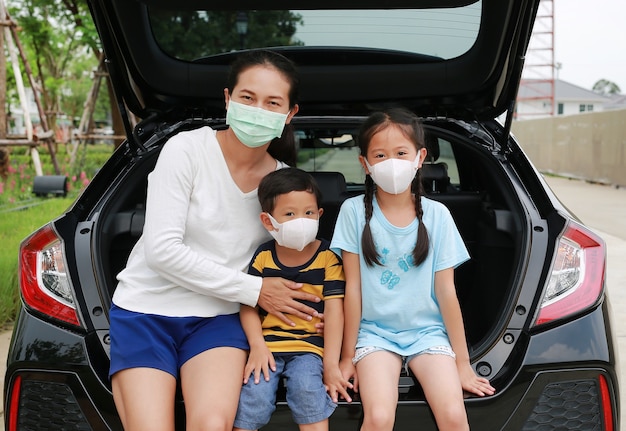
(439, 377)
(379, 373)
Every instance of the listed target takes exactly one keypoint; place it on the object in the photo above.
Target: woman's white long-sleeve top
(200, 232)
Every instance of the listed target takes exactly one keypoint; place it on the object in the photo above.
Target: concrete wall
(590, 146)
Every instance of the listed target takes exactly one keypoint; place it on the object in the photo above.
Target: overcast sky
(590, 41)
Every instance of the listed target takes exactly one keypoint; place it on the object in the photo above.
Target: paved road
(603, 209)
(600, 207)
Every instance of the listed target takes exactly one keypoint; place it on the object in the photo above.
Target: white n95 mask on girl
(254, 126)
(296, 233)
(393, 175)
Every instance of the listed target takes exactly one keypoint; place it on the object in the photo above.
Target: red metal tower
(536, 93)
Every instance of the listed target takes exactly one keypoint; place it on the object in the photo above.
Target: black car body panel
(61, 369)
(481, 83)
(550, 355)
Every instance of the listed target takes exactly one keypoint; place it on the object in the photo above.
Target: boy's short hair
(284, 181)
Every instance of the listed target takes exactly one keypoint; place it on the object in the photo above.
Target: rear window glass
(344, 160)
(440, 32)
(340, 153)
(323, 150)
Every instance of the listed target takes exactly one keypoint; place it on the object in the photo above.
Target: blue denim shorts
(306, 396)
(141, 340)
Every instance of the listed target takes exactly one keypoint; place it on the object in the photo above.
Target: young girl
(399, 251)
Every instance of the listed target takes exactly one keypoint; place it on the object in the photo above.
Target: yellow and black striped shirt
(322, 276)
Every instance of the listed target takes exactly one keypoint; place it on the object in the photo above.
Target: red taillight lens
(576, 281)
(14, 403)
(607, 406)
(44, 283)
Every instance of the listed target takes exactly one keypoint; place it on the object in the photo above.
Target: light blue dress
(399, 310)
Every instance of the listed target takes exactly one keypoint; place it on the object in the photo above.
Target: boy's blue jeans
(306, 396)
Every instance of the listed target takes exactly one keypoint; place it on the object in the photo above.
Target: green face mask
(253, 126)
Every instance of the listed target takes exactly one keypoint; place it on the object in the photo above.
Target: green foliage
(18, 186)
(59, 38)
(80, 72)
(15, 225)
(304, 154)
(190, 35)
(606, 87)
(21, 213)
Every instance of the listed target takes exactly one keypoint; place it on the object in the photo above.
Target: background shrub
(21, 213)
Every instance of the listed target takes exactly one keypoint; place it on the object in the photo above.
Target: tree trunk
(3, 84)
(116, 117)
(42, 114)
(4, 151)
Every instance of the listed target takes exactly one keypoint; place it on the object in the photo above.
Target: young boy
(309, 362)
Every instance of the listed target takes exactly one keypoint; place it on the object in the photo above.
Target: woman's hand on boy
(280, 297)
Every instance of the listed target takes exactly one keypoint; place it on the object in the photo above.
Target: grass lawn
(21, 212)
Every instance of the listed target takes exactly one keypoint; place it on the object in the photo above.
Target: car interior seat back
(334, 192)
(435, 178)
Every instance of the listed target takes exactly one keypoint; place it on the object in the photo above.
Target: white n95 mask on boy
(254, 126)
(296, 233)
(393, 175)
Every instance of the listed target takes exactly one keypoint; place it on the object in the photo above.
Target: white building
(535, 96)
(16, 124)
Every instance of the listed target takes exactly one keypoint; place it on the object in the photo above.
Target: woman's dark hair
(284, 147)
(285, 181)
(411, 127)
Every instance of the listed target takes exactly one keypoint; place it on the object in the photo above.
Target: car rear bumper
(55, 379)
(59, 376)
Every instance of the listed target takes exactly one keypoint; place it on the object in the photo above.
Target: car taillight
(607, 405)
(44, 282)
(576, 280)
(14, 403)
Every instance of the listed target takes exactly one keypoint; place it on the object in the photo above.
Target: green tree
(191, 35)
(55, 35)
(64, 49)
(605, 87)
(81, 75)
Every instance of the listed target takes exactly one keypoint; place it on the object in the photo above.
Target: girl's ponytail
(367, 241)
(420, 252)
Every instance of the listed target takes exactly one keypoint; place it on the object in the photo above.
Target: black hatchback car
(533, 294)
